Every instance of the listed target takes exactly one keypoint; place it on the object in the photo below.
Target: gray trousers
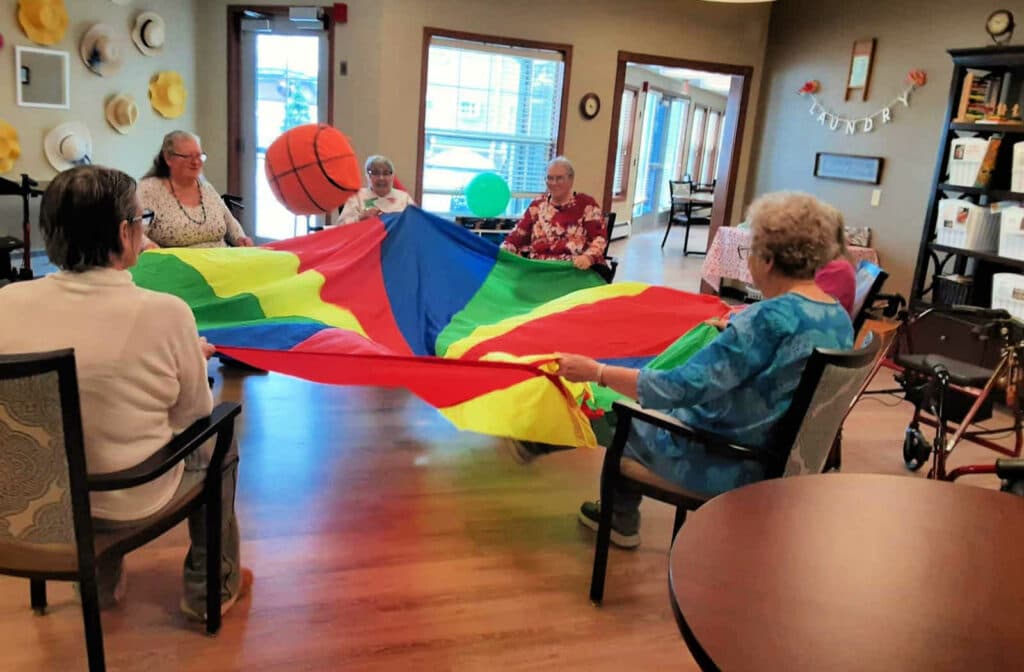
(109, 573)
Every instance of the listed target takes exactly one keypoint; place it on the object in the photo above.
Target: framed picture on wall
(850, 167)
(859, 79)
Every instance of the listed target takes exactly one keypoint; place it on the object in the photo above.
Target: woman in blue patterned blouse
(741, 384)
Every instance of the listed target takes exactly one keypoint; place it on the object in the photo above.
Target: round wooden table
(853, 572)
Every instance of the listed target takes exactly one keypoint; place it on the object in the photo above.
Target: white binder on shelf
(965, 158)
(967, 226)
(1017, 178)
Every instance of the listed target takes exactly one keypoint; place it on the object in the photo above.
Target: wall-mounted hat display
(10, 148)
(167, 94)
(122, 112)
(100, 50)
(68, 145)
(44, 21)
(149, 33)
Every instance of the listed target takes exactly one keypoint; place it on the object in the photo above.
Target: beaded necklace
(182, 207)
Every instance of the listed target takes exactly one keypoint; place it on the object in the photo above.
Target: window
(712, 137)
(696, 143)
(489, 107)
(626, 121)
(673, 149)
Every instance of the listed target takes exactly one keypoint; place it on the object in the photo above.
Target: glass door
(284, 70)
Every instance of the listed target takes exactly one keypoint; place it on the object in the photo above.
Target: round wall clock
(999, 25)
(590, 105)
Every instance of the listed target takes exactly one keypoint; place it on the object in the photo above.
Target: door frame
(235, 14)
(732, 133)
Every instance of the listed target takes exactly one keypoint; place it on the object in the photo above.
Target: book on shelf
(1017, 173)
(980, 94)
(988, 164)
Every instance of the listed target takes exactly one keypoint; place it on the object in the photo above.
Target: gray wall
(810, 39)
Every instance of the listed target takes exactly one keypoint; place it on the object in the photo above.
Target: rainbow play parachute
(416, 301)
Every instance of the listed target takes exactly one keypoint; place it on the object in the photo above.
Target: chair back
(680, 188)
(869, 280)
(44, 503)
(609, 227)
(828, 387)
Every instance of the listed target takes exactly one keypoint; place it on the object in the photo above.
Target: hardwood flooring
(383, 539)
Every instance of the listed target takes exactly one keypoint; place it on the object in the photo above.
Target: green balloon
(487, 195)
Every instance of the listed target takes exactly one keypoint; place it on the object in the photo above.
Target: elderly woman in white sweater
(140, 361)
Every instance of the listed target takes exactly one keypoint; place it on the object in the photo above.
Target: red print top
(559, 232)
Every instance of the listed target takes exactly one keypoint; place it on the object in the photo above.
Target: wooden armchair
(611, 264)
(46, 530)
(800, 443)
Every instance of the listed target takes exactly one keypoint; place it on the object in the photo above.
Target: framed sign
(850, 167)
(859, 80)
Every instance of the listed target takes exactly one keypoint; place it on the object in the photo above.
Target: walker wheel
(916, 449)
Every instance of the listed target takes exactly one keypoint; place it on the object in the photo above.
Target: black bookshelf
(934, 259)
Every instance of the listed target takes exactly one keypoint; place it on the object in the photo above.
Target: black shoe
(520, 451)
(625, 528)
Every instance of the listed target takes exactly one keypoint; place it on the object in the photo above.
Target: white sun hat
(149, 33)
(100, 50)
(122, 112)
(68, 145)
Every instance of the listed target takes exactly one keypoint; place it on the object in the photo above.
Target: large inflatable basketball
(312, 169)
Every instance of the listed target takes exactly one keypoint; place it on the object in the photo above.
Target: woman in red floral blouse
(561, 224)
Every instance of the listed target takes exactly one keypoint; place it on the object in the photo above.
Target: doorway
(279, 74)
(679, 120)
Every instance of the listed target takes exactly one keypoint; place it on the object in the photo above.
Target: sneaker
(519, 451)
(625, 528)
(243, 589)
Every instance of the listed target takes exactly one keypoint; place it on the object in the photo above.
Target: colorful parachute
(415, 301)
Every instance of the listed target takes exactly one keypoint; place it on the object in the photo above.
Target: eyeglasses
(743, 251)
(146, 218)
(556, 178)
(380, 173)
(191, 157)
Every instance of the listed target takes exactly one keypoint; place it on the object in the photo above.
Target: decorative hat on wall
(149, 33)
(167, 94)
(10, 148)
(68, 145)
(100, 50)
(122, 113)
(44, 21)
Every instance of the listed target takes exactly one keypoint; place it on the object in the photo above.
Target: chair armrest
(714, 442)
(175, 451)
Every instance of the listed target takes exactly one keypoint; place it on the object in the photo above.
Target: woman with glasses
(380, 197)
(741, 383)
(188, 210)
(561, 225)
(140, 361)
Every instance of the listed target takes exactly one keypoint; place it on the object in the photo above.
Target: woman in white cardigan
(380, 197)
(140, 361)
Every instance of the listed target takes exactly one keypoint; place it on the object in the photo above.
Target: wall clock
(590, 105)
(999, 25)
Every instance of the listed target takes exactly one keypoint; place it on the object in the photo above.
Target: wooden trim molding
(429, 32)
(234, 84)
(628, 158)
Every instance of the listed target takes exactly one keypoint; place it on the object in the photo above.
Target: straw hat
(68, 145)
(122, 112)
(44, 21)
(100, 51)
(149, 33)
(167, 94)
(10, 149)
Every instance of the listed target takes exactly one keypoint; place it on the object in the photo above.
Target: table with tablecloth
(723, 257)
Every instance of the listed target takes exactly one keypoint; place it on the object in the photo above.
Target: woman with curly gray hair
(742, 383)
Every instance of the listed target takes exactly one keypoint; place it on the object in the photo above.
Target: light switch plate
(876, 197)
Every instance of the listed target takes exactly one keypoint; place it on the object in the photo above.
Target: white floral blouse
(209, 224)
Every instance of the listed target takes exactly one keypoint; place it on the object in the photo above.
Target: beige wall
(131, 153)
(810, 39)
(377, 103)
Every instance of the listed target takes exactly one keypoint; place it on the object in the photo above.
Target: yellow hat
(167, 94)
(44, 21)
(10, 149)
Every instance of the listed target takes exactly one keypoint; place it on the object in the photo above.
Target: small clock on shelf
(1000, 25)
(590, 105)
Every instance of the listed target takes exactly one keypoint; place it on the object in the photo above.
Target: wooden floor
(383, 539)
